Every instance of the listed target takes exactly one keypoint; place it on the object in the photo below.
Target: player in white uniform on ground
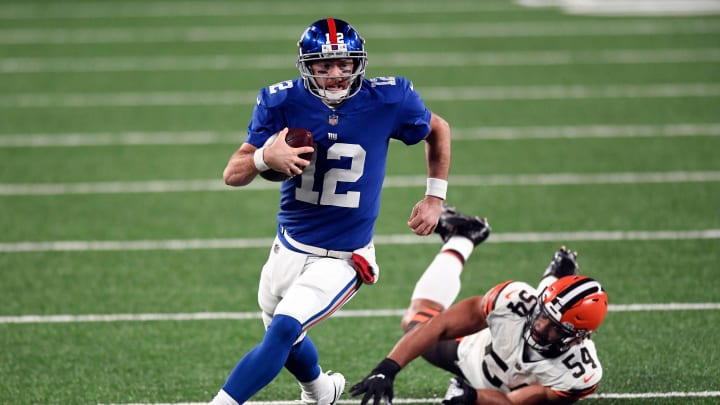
(514, 345)
(324, 250)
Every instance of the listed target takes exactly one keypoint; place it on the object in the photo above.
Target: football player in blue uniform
(516, 344)
(324, 249)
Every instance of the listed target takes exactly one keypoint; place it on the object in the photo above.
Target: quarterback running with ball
(324, 248)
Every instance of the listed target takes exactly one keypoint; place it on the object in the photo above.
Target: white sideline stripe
(453, 94)
(256, 33)
(160, 186)
(365, 313)
(250, 243)
(284, 62)
(459, 134)
(224, 9)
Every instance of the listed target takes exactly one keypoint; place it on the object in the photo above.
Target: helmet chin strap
(330, 97)
(334, 96)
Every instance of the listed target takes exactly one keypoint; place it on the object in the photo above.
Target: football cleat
(453, 223)
(564, 263)
(331, 396)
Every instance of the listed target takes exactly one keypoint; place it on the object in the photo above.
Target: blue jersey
(335, 202)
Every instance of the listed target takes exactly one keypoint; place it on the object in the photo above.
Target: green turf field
(128, 271)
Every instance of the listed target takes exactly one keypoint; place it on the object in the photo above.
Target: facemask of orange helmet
(567, 311)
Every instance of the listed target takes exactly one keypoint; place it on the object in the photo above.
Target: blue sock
(263, 363)
(303, 361)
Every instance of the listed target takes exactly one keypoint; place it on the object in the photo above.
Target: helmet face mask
(331, 88)
(325, 41)
(567, 311)
(548, 336)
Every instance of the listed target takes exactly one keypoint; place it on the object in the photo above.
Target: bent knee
(420, 311)
(283, 329)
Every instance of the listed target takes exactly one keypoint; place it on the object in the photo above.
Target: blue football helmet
(331, 38)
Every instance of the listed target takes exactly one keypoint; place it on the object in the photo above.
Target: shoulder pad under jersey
(510, 297)
(275, 94)
(584, 371)
(392, 89)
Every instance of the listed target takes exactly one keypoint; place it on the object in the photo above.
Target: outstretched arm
(461, 319)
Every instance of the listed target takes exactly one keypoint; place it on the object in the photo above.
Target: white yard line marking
(404, 239)
(250, 33)
(459, 134)
(554, 92)
(673, 394)
(575, 178)
(609, 395)
(439, 60)
(364, 313)
(454, 94)
(585, 131)
(128, 138)
(67, 10)
(630, 7)
(161, 186)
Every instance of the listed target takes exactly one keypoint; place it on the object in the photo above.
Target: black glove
(460, 393)
(378, 384)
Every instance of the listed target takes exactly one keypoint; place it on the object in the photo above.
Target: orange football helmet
(575, 305)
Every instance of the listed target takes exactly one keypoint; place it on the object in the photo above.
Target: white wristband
(436, 187)
(259, 160)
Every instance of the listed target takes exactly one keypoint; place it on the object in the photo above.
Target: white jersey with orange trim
(498, 358)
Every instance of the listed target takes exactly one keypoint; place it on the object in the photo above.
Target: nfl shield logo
(333, 119)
